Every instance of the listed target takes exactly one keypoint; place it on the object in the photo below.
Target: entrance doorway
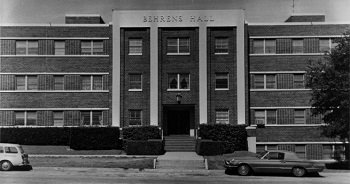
(178, 119)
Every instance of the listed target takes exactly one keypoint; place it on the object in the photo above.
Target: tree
(329, 80)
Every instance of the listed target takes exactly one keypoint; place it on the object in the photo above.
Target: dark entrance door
(178, 121)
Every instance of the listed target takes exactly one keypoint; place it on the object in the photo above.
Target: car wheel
(244, 170)
(298, 171)
(6, 165)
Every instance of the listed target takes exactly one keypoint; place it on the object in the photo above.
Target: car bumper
(315, 169)
(228, 165)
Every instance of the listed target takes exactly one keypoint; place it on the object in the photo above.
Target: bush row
(233, 137)
(143, 147)
(209, 147)
(141, 133)
(75, 137)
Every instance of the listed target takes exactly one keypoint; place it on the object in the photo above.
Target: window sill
(135, 90)
(178, 54)
(54, 91)
(222, 89)
(135, 54)
(54, 55)
(288, 54)
(290, 125)
(178, 89)
(299, 89)
(226, 53)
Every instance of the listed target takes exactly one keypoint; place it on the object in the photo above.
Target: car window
(11, 150)
(276, 156)
(1, 149)
(21, 149)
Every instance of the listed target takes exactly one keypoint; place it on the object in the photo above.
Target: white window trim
(136, 90)
(53, 116)
(304, 116)
(297, 89)
(265, 82)
(265, 116)
(178, 48)
(228, 83)
(25, 85)
(141, 117)
(135, 54)
(221, 53)
(55, 55)
(91, 119)
(54, 91)
(139, 53)
(27, 48)
(228, 116)
(178, 83)
(26, 118)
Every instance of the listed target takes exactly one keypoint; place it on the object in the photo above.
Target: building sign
(178, 18)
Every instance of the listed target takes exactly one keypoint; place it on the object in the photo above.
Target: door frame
(178, 107)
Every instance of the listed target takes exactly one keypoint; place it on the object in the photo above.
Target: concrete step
(179, 143)
(180, 164)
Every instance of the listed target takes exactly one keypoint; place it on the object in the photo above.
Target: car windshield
(260, 155)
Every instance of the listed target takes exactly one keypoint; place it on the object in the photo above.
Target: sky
(53, 11)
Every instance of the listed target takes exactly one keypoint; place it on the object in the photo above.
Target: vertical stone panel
(285, 116)
(283, 46)
(73, 47)
(311, 45)
(7, 82)
(7, 118)
(287, 147)
(7, 47)
(314, 151)
(72, 82)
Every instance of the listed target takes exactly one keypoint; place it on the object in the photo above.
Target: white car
(12, 155)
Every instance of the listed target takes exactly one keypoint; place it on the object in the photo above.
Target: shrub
(142, 147)
(234, 137)
(344, 165)
(208, 147)
(94, 138)
(75, 137)
(141, 133)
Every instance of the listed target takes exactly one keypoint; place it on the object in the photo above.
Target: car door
(12, 154)
(273, 163)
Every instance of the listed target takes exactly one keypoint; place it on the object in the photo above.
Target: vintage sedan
(12, 155)
(273, 162)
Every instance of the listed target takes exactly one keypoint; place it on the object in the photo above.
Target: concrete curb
(98, 156)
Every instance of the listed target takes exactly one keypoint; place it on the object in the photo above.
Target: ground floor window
(58, 118)
(222, 117)
(135, 117)
(89, 118)
(25, 118)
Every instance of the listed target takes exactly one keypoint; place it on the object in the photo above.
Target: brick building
(172, 69)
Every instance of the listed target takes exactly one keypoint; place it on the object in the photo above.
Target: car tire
(244, 170)
(298, 171)
(6, 165)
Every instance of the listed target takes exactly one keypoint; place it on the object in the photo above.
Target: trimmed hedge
(75, 137)
(141, 133)
(209, 147)
(142, 147)
(234, 137)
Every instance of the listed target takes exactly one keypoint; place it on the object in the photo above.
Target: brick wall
(226, 99)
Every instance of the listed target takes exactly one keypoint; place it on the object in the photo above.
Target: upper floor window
(221, 46)
(265, 116)
(24, 82)
(27, 47)
(221, 81)
(178, 81)
(58, 118)
(135, 117)
(58, 82)
(270, 46)
(92, 47)
(324, 45)
(135, 82)
(60, 48)
(299, 116)
(135, 46)
(298, 81)
(91, 82)
(264, 46)
(178, 46)
(267, 81)
(258, 46)
(222, 116)
(298, 45)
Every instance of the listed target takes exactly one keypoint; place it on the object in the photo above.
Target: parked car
(12, 155)
(273, 162)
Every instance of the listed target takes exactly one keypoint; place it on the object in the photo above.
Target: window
(11, 150)
(221, 46)
(178, 46)
(89, 118)
(32, 82)
(60, 48)
(298, 45)
(179, 81)
(258, 46)
(20, 82)
(267, 81)
(324, 45)
(266, 116)
(92, 47)
(300, 151)
(96, 84)
(135, 117)
(333, 43)
(299, 116)
(135, 46)
(27, 47)
(222, 117)
(58, 118)
(58, 82)
(85, 117)
(298, 81)
(20, 118)
(97, 118)
(275, 156)
(270, 46)
(221, 81)
(135, 82)
(31, 118)
(1, 149)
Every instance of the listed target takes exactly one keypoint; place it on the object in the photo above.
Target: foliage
(329, 81)
(209, 148)
(234, 137)
(143, 147)
(141, 133)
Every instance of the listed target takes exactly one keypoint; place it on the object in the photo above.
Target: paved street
(52, 175)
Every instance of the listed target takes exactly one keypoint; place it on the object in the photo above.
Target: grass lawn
(96, 162)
